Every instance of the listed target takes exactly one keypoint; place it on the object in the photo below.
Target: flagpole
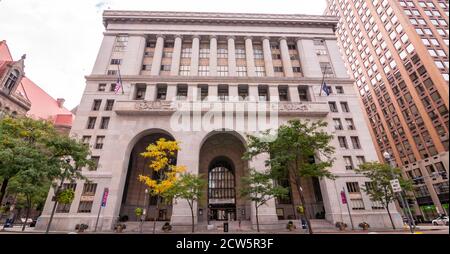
(323, 80)
(120, 77)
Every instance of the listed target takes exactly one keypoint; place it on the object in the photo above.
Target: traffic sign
(395, 184)
(343, 197)
(105, 197)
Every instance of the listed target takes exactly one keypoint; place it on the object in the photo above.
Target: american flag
(118, 82)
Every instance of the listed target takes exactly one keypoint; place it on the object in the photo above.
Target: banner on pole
(105, 197)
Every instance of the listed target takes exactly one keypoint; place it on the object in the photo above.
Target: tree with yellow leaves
(164, 170)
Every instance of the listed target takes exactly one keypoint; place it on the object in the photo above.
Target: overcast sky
(61, 37)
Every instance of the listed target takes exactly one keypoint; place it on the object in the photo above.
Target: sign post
(102, 204)
(344, 201)
(395, 184)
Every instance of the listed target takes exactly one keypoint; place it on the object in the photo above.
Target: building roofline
(122, 16)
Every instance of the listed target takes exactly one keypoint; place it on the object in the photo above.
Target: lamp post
(409, 216)
(144, 212)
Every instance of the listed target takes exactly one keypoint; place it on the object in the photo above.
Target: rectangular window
(222, 70)
(360, 160)
(259, 53)
(278, 69)
(99, 142)
(104, 123)
(112, 72)
(140, 92)
(222, 52)
(165, 67)
(240, 52)
(204, 52)
(96, 160)
(85, 206)
(303, 93)
(186, 53)
(101, 87)
(339, 90)
(355, 142)
(222, 92)
(283, 93)
(86, 140)
(182, 92)
(203, 92)
(112, 88)
(350, 124)
(260, 71)
(116, 61)
(276, 56)
(91, 122)
(344, 106)
(348, 162)
(326, 68)
(333, 107)
(109, 105)
(161, 92)
(243, 92)
(96, 105)
(185, 70)
(65, 208)
(203, 70)
(337, 124)
(263, 93)
(296, 69)
(241, 71)
(342, 142)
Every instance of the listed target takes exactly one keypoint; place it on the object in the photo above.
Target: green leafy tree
(379, 189)
(259, 188)
(188, 187)
(293, 152)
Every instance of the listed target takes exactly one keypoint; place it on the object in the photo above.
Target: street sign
(105, 197)
(395, 184)
(343, 197)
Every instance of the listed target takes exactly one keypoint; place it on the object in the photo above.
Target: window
(339, 89)
(350, 124)
(161, 92)
(337, 124)
(182, 92)
(146, 67)
(112, 88)
(274, 45)
(121, 43)
(99, 142)
(86, 140)
(186, 52)
(278, 69)
(203, 70)
(112, 72)
(342, 142)
(167, 54)
(96, 105)
(243, 92)
(203, 92)
(260, 71)
(276, 56)
(96, 160)
(104, 123)
(12, 79)
(222, 52)
(116, 61)
(91, 122)
(65, 208)
(204, 52)
(283, 93)
(140, 92)
(109, 105)
(165, 67)
(185, 70)
(353, 187)
(318, 42)
(259, 53)
(89, 189)
(348, 162)
(101, 87)
(333, 107)
(222, 70)
(360, 160)
(321, 52)
(344, 106)
(296, 69)
(263, 93)
(222, 92)
(85, 206)
(355, 142)
(241, 71)
(292, 46)
(240, 52)
(303, 93)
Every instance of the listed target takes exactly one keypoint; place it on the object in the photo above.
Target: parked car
(442, 220)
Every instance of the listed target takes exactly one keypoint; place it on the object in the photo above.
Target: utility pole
(344, 198)
(408, 214)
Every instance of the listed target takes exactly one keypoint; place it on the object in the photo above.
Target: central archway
(222, 166)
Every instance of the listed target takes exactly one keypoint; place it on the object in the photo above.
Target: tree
(259, 187)
(379, 189)
(164, 170)
(300, 149)
(188, 187)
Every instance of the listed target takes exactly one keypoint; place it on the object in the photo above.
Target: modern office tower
(207, 80)
(397, 52)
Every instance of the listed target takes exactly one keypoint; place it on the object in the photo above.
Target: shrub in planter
(290, 226)
(65, 196)
(119, 227)
(81, 227)
(341, 225)
(166, 227)
(364, 225)
(138, 211)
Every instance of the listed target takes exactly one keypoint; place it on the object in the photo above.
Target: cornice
(118, 16)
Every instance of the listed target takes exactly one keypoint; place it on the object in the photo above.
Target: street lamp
(409, 216)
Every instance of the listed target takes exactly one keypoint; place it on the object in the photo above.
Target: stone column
(157, 56)
(253, 92)
(336, 60)
(171, 92)
(213, 92)
(132, 91)
(286, 58)
(268, 57)
(213, 56)
(233, 92)
(267, 214)
(102, 62)
(150, 92)
(176, 56)
(132, 59)
(274, 95)
(195, 55)
(308, 58)
(293, 93)
(231, 57)
(250, 56)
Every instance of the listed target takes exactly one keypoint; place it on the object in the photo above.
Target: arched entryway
(134, 195)
(222, 166)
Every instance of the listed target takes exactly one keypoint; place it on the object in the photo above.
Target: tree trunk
(27, 214)
(156, 214)
(257, 219)
(3, 189)
(390, 217)
(303, 203)
(54, 205)
(192, 215)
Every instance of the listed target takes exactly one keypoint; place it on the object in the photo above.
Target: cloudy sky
(61, 37)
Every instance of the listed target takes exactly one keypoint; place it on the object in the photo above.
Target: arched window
(221, 181)
(12, 79)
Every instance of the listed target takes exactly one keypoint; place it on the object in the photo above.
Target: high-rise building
(397, 52)
(198, 78)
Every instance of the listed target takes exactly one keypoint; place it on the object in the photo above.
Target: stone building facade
(182, 75)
